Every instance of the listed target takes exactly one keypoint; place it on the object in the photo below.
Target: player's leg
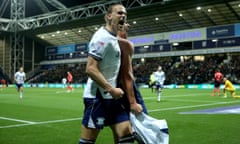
(21, 91)
(93, 120)
(17, 87)
(215, 88)
(159, 92)
(68, 87)
(152, 87)
(117, 117)
(122, 133)
(88, 135)
(233, 93)
(219, 90)
(225, 92)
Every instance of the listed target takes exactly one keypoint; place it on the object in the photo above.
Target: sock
(129, 139)
(138, 138)
(159, 96)
(83, 141)
(219, 91)
(214, 90)
(21, 94)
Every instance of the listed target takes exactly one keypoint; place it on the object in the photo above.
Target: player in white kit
(159, 76)
(64, 82)
(101, 95)
(19, 78)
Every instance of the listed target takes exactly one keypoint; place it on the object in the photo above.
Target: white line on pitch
(155, 110)
(184, 107)
(170, 96)
(57, 121)
(38, 123)
(184, 100)
(17, 120)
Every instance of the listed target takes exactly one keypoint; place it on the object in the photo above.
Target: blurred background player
(228, 86)
(218, 76)
(159, 76)
(152, 81)
(3, 83)
(64, 82)
(19, 78)
(69, 80)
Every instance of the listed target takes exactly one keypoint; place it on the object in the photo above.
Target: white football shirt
(104, 48)
(159, 77)
(64, 80)
(20, 76)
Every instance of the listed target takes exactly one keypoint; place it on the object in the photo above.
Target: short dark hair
(110, 8)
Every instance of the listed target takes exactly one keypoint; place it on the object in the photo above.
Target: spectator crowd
(185, 71)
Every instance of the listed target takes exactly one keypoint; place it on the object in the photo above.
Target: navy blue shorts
(158, 85)
(101, 112)
(217, 84)
(19, 85)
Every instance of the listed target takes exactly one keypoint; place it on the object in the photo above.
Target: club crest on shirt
(100, 121)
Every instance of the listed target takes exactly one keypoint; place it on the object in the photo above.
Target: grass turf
(53, 116)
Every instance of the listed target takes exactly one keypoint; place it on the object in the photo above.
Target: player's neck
(111, 30)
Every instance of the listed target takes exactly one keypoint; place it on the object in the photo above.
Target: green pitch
(53, 116)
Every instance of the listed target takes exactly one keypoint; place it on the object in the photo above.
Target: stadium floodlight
(175, 44)
(214, 40)
(199, 8)
(146, 46)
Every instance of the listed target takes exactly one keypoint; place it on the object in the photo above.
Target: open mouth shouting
(121, 23)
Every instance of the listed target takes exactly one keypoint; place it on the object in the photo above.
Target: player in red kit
(4, 83)
(218, 76)
(70, 80)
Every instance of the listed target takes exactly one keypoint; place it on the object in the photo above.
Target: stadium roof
(145, 16)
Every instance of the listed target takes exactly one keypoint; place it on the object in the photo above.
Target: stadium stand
(55, 73)
(187, 71)
(4, 76)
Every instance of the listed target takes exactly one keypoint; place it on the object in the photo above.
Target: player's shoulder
(126, 44)
(103, 34)
(126, 41)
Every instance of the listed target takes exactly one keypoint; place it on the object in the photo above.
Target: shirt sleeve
(16, 75)
(97, 49)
